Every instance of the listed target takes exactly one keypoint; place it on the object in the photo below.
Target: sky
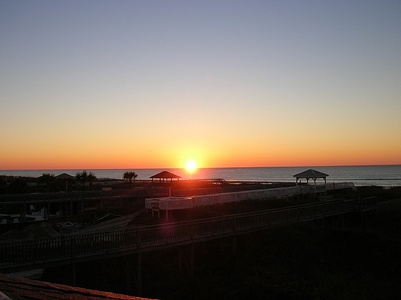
(153, 84)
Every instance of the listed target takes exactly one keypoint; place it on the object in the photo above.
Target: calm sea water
(389, 175)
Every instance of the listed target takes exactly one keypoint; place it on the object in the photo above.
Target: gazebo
(65, 177)
(310, 174)
(165, 176)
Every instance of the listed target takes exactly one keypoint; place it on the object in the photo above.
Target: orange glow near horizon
(272, 155)
(86, 166)
(98, 162)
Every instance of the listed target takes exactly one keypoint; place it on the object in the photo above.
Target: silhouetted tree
(129, 175)
(84, 177)
(17, 186)
(47, 180)
(91, 178)
(3, 185)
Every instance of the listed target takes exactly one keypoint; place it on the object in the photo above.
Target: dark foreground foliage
(306, 261)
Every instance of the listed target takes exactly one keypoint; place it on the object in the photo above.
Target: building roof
(64, 176)
(21, 288)
(310, 174)
(165, 174)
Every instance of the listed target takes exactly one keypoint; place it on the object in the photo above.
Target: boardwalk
(166, 204)
(25, 255)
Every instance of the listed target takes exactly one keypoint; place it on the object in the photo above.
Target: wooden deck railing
(84, 247)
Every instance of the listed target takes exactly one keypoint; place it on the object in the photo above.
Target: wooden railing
(84, 247)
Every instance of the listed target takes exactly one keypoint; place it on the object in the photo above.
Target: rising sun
(191, 166)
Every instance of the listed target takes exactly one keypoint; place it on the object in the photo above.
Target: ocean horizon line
(388, 175)
(203, 168)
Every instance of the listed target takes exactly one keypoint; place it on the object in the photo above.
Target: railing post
(180, 258)
(192, 259)
(235, 235)
(342, 215)
(362, 212)
(138, 239)
(323, 214)
(73, 266)
(139, 274)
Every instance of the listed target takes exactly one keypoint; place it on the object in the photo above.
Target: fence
(65, 249)
(176, 203)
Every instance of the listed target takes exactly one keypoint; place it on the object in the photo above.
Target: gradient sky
(143, 84)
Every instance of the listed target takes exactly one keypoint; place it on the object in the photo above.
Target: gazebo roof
(311, 174)
(64, 176)
(164, 175)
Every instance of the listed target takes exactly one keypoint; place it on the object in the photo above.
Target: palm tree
(129, 175)
(82, 178)
(85, 177)
(91, 178)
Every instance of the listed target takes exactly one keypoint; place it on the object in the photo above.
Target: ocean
(388, 175)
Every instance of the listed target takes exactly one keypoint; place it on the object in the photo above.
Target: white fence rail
(176, 203)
